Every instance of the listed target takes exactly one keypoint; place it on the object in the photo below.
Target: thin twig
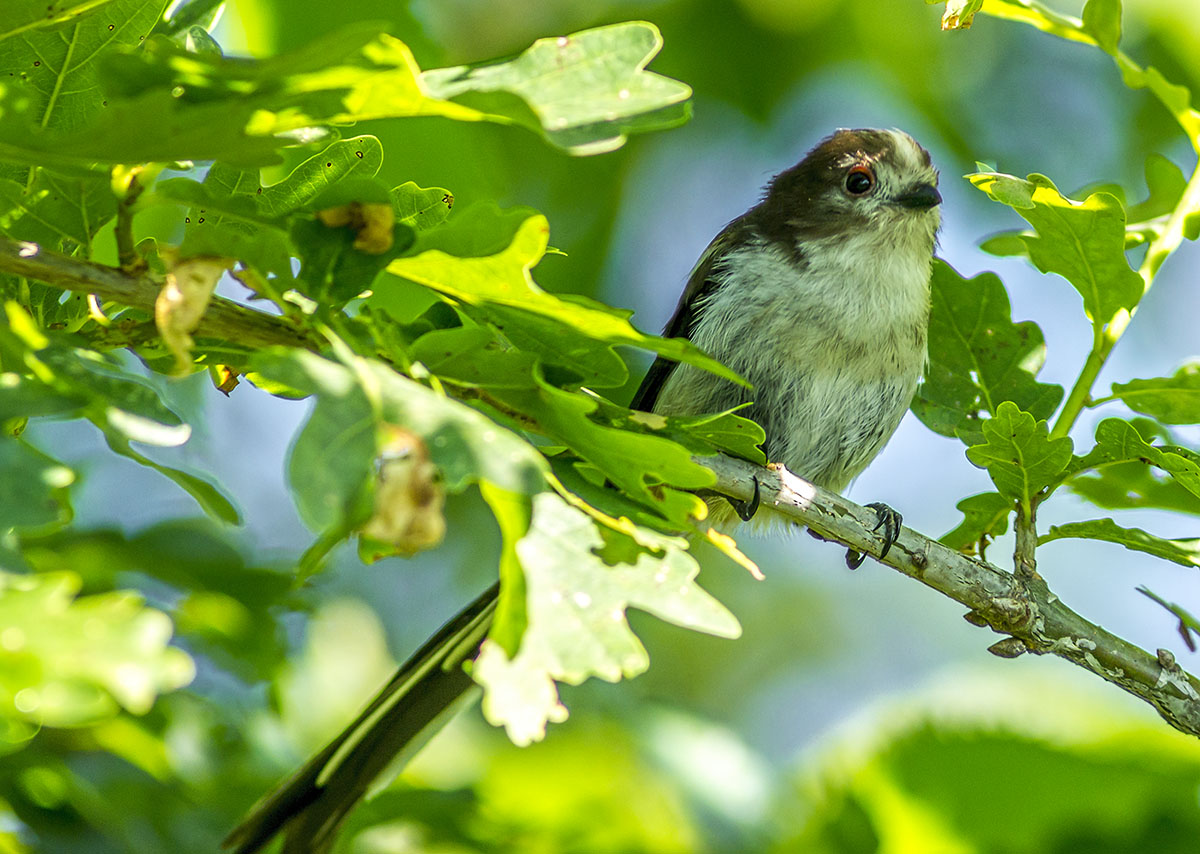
(225, 319)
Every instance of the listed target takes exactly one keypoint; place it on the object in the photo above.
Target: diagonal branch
(1033, 618)
(225, 319)
(1022, 608)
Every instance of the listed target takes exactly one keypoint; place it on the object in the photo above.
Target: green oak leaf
(1102, 21)
(576, 624)
(73, 661)
(639, 463)
(1183, 552)
(1019, 454)
(61, 211)
(1120, 441)
(565, 330)
(959, 14)
(421, 208)
(979, 358)
(1165, 183)
(985, 516)
(1082, 241)
(1171, 400)
(585, 92)
(35, 493)
(166, 103)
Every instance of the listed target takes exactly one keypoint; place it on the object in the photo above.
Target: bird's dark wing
(701, 284)
(312, 803)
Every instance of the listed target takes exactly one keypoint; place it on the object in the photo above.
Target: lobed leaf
(985, 516)
(574, 333)
(1019, 454)
(979, 358)
(585, 92)
(577, 626)
(1183, 552)
(1084, 242)
(1170, 400)
(1120, 441)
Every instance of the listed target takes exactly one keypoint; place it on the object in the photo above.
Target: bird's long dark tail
(310, 805)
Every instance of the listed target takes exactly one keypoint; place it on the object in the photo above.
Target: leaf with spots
(576, 622)
(1019, 454)
(1082, 241)
(979, 358)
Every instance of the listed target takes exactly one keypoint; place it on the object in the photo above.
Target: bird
(818, 296)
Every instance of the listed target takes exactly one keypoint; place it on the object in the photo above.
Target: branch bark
(225, 319)
(1021, 607)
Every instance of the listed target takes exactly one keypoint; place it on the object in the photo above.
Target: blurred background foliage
(858, 713)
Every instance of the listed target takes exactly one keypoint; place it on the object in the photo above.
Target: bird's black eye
(859, 180)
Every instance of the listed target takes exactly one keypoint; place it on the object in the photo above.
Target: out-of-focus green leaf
(165, 103)
(1171, 400)
(1165, 183)
(576, 617)
(1102, 21)
(71, 661)
(35, 487)
(1120, 441)
(1133, 485)
(1184, 552)
(1089, 777)
(353, 403)
(1175, 97)
(959, 14)
(1082, 241)
(984, 516)
(501, 283)
(1019, 454)
(979, 358)
(585, 92)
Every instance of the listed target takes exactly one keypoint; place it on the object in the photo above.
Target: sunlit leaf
(585, 92)
(1120, 441)
(576, 617)
(502, 283)
(35, 491)
(1082, 241)
(71, 661)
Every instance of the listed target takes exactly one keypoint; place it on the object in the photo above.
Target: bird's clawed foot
(746, 509)
(890, 521)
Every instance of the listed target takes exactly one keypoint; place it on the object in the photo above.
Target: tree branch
(225, 319)
(1022, 609)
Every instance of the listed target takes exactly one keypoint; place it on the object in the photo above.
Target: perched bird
(819, 296)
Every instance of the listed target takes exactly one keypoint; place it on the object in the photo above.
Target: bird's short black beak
(920, 197)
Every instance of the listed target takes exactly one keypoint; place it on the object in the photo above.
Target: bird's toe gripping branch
(890, 521)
